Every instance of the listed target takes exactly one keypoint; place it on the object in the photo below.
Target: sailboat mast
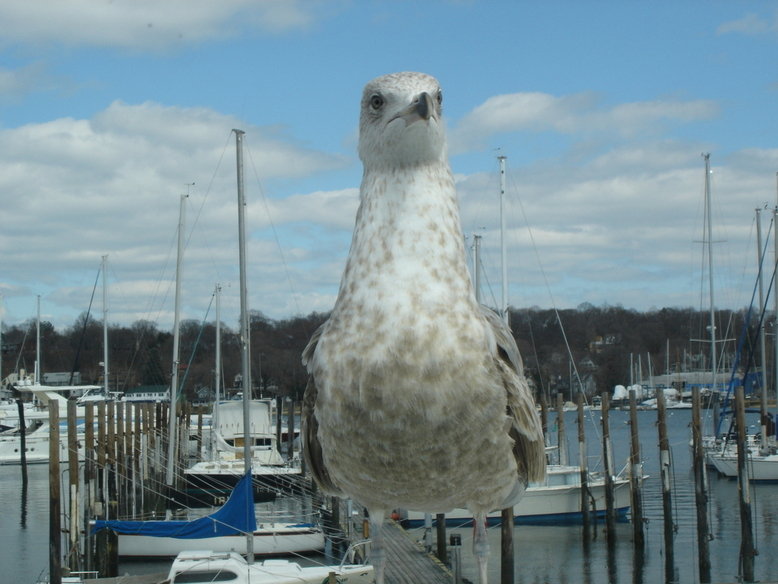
(105, 325)
(217, 369)
(503, 245)
(762, 341)
(775, 293)
(1, 338)
(38, 374)
(709, 241)
(172, 425)
(245, 336)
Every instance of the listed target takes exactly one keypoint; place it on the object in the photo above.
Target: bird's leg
(481, 546)
(377, 550)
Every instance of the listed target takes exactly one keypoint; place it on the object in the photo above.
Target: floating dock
(408, 563)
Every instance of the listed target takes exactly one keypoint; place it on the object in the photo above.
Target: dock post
(665, 471)
(455, 541)
(607, 456)
(440, 531)
(279, 423)
(506, 547)
(121, 471)
(584, 465)
(22, 438)
(89, 478)
(73, 500)
(700, 489)
(55, 527)
(290, 431)
(110, 461)
(635, 475)
(561, 437)
(747, 550)
(102, 491)
(129, 455)
(137, 477)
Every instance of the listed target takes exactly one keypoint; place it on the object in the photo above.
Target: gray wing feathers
(525, 430)
(309, 432)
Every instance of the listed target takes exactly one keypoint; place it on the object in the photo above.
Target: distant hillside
(602, 342)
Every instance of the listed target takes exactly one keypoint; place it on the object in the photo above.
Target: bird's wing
(311, 447)
(525, 430)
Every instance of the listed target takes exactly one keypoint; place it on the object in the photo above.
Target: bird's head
(401, 121)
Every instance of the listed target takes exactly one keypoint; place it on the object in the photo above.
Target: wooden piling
(665, 470)
(544, 416)
(607, 456)
(747, 550)
(290, 431)
(700, 490)
(561, 437)
(89, 478)
(440, 527)
(137, 476)
(635, 475)
(55, 527)
(121, 469)
(22, 439)
(583, 463)
(506, 547)
(279, 423)
(110, 460)
(73, 500)
(200, 434)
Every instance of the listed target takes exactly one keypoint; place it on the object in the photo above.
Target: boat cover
(236, 516)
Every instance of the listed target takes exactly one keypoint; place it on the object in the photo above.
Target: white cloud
(621, 223)
(146, 24)
(16, 82)
(73, 190)
(751, 24)
(579, 114)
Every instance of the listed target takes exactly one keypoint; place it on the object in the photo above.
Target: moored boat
(556, 500)
(201, 567)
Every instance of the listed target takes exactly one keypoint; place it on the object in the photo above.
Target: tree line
(586, 349)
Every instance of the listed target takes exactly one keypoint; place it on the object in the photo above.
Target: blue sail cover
(236, 516)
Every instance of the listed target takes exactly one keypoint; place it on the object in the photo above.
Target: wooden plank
(407, 562)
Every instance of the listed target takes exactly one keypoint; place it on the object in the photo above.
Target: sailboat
(210, 480)
(33, 437)
(208, 566)
(558, 498)
(243, 437)
(222, 531)
(762, 448)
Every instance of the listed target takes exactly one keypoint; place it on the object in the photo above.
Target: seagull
(416, 397)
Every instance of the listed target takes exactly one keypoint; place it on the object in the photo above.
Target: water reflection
(23, 506)
(561, 554)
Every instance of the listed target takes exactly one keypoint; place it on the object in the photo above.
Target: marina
(543, 553)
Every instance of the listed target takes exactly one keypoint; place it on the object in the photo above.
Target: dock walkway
(408, 563)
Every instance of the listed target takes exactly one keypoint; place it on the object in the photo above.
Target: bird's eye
(440, 98)
(376, 101)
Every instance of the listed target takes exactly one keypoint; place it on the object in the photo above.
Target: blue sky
(109, 109)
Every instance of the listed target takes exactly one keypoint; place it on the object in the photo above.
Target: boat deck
(407, 562)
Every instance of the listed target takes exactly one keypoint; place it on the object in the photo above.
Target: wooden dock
(408, 563)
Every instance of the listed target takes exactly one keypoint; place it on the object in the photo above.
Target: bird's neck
(408, 233)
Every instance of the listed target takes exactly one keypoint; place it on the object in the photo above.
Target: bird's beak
(423, 105)
(421, 108)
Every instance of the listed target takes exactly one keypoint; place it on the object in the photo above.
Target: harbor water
(552, 554)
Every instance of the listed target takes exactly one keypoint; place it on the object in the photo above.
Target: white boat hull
(556, 501)
(204, 567)
(275, 539)
(760, 468)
